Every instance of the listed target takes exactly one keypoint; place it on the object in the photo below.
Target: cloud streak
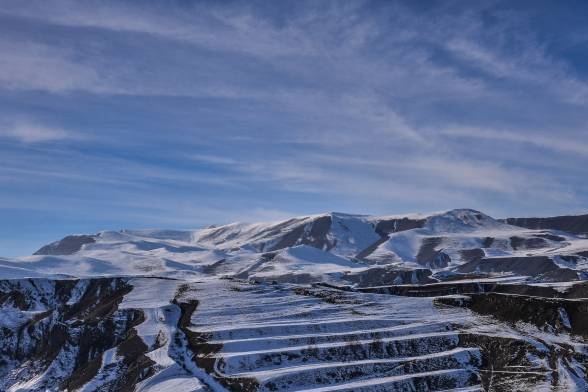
(561, 144)
(29, 132)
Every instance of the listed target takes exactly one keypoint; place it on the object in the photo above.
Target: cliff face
(55, 333)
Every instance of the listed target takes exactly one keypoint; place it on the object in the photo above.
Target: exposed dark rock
(380, 276)
(427, 252)
(530, 266)
(291, 238)
(148, 245)
(136, 366)
(550, 314)
(579, 290)
(432, 290)
(296, 231)
(326, 294)
(441, 260)
(573, 259)
(100, 299)
(214, 267)
(488, 241)
(298, 278)
(472, 254)
(389, 226)
(516, 242)
(577, 224)
(81, 321)
(370, 249)
(133, 367)
(450, 276)
(429, 256)
(561, 275)
(504, 361)
(67, 246)
(316, 236)
(527, 243)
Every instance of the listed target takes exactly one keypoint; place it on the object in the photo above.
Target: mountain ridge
(383, 224)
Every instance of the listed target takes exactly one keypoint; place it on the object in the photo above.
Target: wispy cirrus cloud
(213, 159)
(562, 143)
(27, 131)
(34, 66)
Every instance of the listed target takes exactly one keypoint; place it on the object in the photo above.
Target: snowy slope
(450, 242)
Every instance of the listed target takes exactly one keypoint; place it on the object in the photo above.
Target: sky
(181, 114)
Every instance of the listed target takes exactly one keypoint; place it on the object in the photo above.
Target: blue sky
(182, 114)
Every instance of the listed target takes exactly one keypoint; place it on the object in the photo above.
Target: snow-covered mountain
(326, 247)
(453, 300)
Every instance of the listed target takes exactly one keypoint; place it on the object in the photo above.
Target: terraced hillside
(225, 334)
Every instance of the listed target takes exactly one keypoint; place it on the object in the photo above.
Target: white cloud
(213, 159)
(564, 143)
(30, 132)
(28, 66)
